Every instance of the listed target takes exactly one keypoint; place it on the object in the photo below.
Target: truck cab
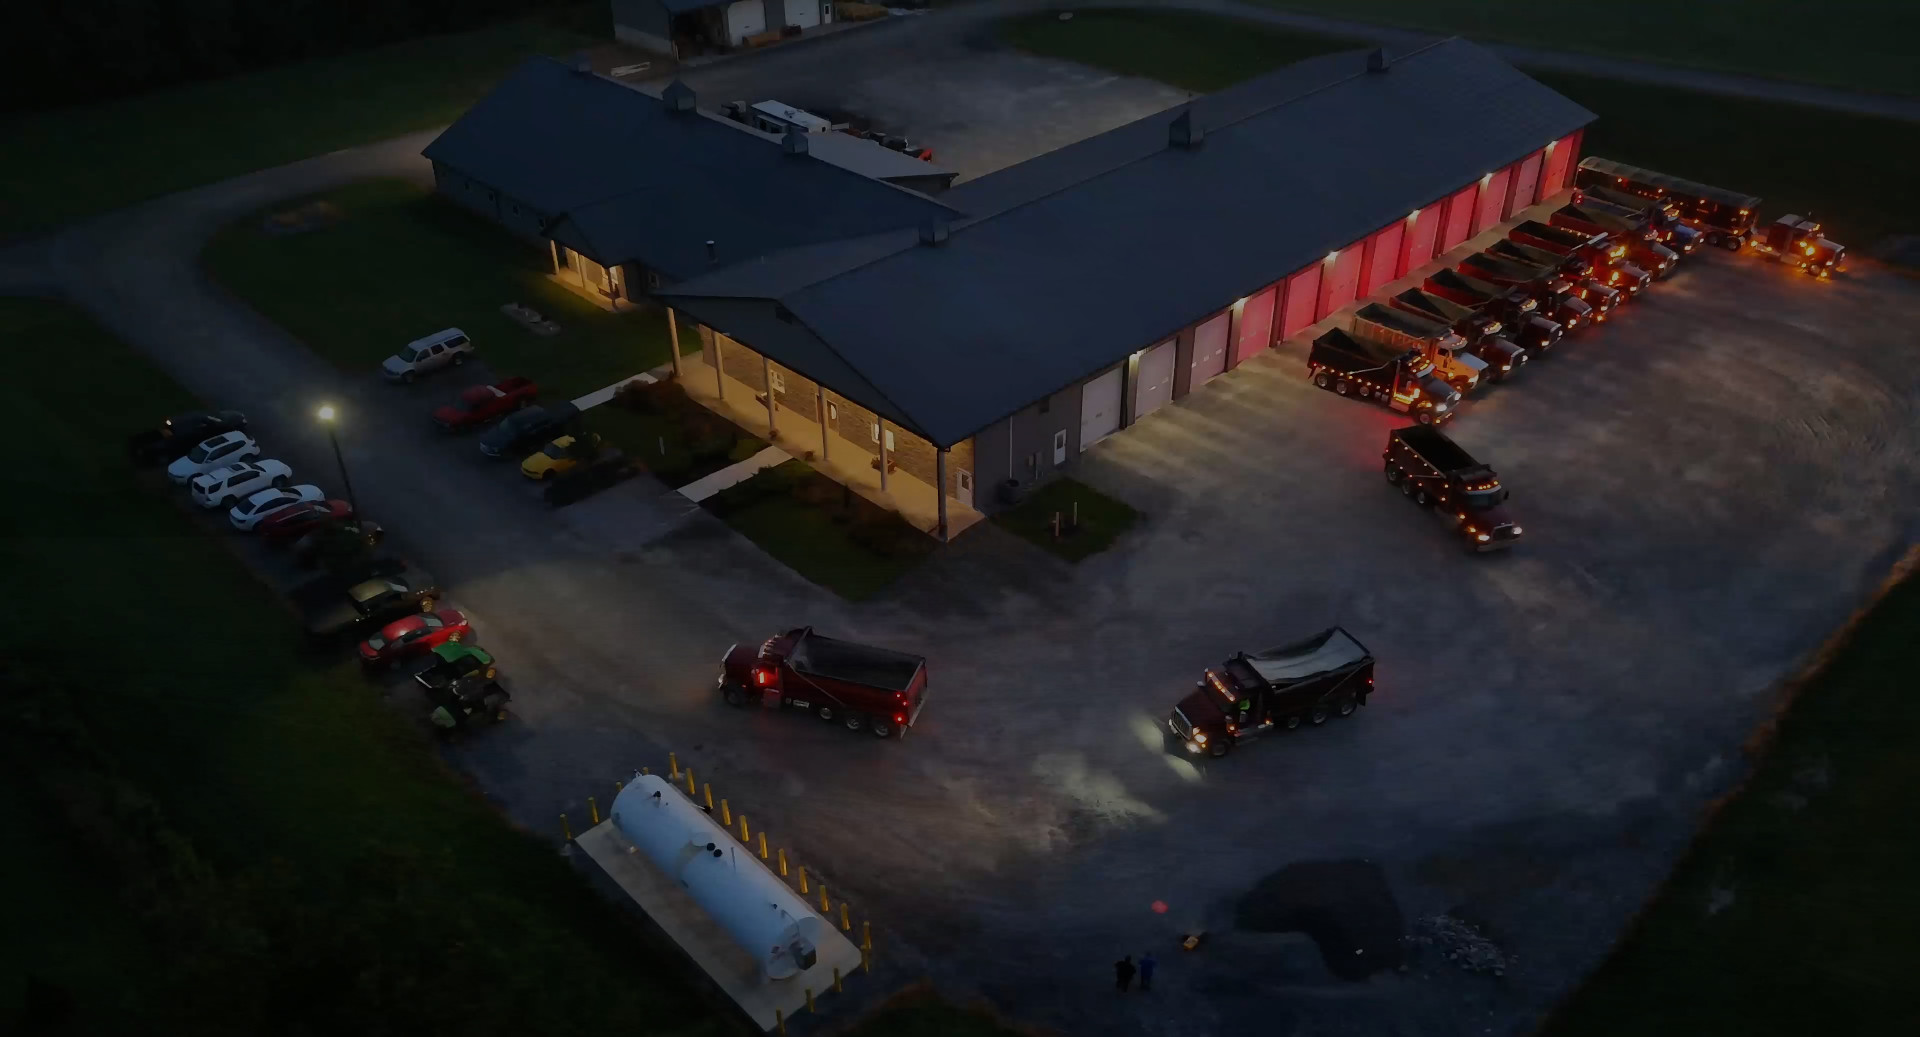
(1437, 473)
(1602, 287)
(1518, 312)
(1306, 682)
(1553, 290)
(1797, 241)
(1480, 330)
(1630, 227)
(1675, 232)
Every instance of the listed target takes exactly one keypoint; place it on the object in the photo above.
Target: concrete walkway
(734, 474)
(605, 395)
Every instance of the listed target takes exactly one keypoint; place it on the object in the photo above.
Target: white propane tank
(762, 914)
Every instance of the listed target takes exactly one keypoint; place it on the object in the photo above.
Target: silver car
(449, 348)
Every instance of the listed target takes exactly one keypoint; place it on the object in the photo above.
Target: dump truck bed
(1672, 184)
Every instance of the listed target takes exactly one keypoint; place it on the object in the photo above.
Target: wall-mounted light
(1486, 178)
(1331, 256)
(1414, 215)
(1551, 143)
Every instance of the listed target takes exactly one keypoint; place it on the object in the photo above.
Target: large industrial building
(990, 336)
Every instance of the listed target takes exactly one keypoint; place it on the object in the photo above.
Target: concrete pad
(600, 396)
(734, 474)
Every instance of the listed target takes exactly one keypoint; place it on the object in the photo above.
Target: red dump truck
(1631, 227)
(858, 686)
(1554, 290)
(1675, 232)
(1437, 341)
(1480, 329)
(1725, 217)
(1437, 473)
(1519, 312)
(1327, 675)
(1609, 257)
(1400, 379)
(1602, 296)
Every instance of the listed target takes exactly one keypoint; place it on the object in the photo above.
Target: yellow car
(560, 457)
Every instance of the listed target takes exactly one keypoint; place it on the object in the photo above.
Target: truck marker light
(1483, 538)
(1516, 531)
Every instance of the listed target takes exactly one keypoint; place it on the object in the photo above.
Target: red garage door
(1560, 159)
(1382, 259)
(1493, 199)
(1459, 218)
(1340, 281)
(1303, 294)
(1256, 325)
(1526, 184)
(1423, 233)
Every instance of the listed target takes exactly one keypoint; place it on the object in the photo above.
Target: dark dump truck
(1435, 472)
(1630, 227)
(1326, 675)
(1609, 257)
(1478, 328)
(858, 685)
(1726, 218)
(1554, 290)
(1594, 289)
(1518, 311)
(1400, 379)
(1436, 340)
(1675, 232)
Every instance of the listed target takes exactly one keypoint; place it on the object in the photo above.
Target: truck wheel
(407, 377)
(1323, 381)
(853, 721)
(459, 358)
(1346, 706)
(1220, 748)
(825, 713)
(1420, 497)
(1393, 474)
(1319, 716)
(1342, 387)
(1730, 243)
(1424, 418)
(881, 727)
(1406, 487)
(1291, 722)
(734, 696)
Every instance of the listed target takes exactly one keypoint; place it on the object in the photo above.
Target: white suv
(225, 487)
(421, 356)
(218, 452)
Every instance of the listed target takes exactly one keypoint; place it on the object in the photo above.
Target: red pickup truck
(858, 685)
(480, 404)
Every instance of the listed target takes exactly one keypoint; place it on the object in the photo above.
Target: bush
(744, 449)
(662, 397)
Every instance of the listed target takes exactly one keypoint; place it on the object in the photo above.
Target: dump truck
(1519, 312)
(1609, 257)
(1675, 232)
(1589, 283)
(1438, 342)
(1306, 682)
(1631, 227)
(1481, 330)
(1437, 473)
(1725, 217)
(1554, 290)
(1400, 379)
(1797, 241)
(858, 686)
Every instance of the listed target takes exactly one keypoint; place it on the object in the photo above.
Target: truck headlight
(1506, 367)
(1483, 538)
(1200, 737)
(1516, 531)
(1192, 748)
(1439, 408)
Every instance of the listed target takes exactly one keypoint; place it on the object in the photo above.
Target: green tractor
(463, 685)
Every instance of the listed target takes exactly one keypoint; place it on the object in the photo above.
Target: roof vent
(1378, 60)
(933, 232)
(713, 254)
(581, 63)
(1186, 132)
(678, 96)
(795, 142)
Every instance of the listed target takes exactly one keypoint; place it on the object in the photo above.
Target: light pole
(333, 436)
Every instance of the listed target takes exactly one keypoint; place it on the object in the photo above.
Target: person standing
(1147, 964)
(1123, 973)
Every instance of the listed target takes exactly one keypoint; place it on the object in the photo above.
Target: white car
(220, 451)
(225, 487)
(247, 514)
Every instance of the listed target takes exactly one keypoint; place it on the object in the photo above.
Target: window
(874, 428)
(456, 341)
(966, 481)
(777, 379)
(833, 411)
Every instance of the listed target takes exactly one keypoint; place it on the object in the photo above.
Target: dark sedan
(182, 432)
(528, 427)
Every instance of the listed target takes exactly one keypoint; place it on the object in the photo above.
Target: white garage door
(1154, 380)
(744, 19)
(1209, 351)
(1100, 408)
(804, 13)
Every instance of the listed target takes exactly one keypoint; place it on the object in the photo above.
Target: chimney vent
(933, 232)
(1185, 131)
(678, 96)
(713, 254)
(794, 142)
(1377, 61)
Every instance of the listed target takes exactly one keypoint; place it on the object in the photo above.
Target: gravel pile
(1459, 943)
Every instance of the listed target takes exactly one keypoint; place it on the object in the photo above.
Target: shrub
(744, 449)
(662, 397)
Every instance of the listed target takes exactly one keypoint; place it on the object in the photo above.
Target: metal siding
(1526, 183)
(1209, 350)
(1424, 237)
(1459, 218)
(1493, 197)
(1154, 379)
(1256, 325)
(1383, 260)
(1303, 294)
(1100, 406)
(1341, 280)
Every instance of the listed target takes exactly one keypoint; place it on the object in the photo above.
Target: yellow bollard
(707, 791)
(803, 875)
(565, 827)
(836, 981)
(743, 830)
(783, 862)
(846, 924)
(689, 782)
(726, 816)
(780, 1020)
(646, 770)
(866, 936)
(618, 787)
(593, 809)
(673, 767)
(866, 960)
(825, 908)
(809, 999)
(763, 845)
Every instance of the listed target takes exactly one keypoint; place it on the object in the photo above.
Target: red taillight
(759, 676)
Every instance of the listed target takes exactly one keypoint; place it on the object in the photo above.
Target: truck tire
(1291, 722)
(1730, 243)
(1318, 716)
(1420, 497)
(825, 713)
(406, 377)
(882, 727)
(734, 696)
(459, 358)
(1220, 748)
(1346, 706)
(1424, 418)
(1342, 387)
(853, 721)
(1393, 474)
(1322, 380)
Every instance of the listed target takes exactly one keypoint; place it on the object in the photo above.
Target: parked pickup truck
(858, 685)
(1400, 379)
(1328, 674)
(1436, 341)
(333, 608)
(1520, 313)
(479, 404)
(1435, 472)
(1480, 329)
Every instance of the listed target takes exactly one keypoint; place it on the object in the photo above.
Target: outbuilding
(683, 28)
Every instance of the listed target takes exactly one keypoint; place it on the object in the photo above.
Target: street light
(326, 418)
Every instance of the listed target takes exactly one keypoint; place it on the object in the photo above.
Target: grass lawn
(1861, 44)
(1102, 519)
(1797, 158)
(401, 262)
(810, 534)
(1794, 912)
(70, 163)
(392, 897)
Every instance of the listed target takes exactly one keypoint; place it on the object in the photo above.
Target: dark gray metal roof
(1077, 258)
(624, 179)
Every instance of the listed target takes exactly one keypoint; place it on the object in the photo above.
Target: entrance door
(1100, 407)
(1154, 378)
(803, 13)
(745, 18)
(1209, 350)
(963, 486)
(1559, 157)
(1060, 447)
